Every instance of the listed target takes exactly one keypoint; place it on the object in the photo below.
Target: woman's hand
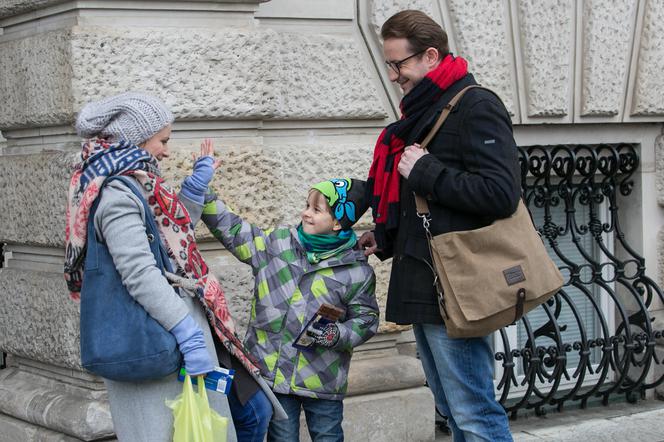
(195, 186)
(207, 150)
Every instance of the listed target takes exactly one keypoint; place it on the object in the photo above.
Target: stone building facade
(291, 91)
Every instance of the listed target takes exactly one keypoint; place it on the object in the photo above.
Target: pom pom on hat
(132, 116)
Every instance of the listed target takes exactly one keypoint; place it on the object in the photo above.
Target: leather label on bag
(514, 275)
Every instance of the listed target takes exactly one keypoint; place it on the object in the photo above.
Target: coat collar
(423, 126)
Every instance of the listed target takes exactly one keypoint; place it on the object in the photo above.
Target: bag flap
(485, 268)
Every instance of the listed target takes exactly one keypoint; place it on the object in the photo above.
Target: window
(576, 346)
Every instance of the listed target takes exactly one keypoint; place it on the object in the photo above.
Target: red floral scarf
(100, 160)
(384, 178)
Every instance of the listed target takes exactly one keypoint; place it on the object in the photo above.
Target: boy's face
(317, 217)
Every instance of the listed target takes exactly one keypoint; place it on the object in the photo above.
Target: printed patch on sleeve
(491, 141)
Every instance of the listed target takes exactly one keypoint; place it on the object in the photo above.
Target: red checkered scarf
(384, 178)
(176, 232)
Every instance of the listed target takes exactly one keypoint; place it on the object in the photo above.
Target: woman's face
(157, 146)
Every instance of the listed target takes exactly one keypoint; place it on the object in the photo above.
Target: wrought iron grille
(613, 347)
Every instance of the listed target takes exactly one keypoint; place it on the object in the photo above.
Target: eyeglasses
(396, 65)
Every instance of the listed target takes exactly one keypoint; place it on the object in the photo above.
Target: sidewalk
(621, 422)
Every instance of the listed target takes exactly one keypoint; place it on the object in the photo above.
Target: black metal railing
(595, 338)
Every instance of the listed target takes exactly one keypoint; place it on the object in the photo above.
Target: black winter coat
(470, 179)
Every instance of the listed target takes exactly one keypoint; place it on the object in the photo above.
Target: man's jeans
(323, 419)
(252, 419)
(460, 375)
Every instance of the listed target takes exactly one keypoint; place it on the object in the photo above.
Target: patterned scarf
(101, 160)
(383, 183)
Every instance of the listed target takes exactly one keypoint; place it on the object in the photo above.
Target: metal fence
(606, 295)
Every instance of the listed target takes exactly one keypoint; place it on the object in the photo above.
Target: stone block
(265, 185)
(38, 401)
(379, 365)
(607, 45)
(33, 197)
(374, 375)
(38, 319)
(547, 55)
(14, 430)
(483, 36)
(402, 415)
(268, 185)
(202, 74)
(13, 7)
(647, 99)
(659, 170)
(37, 87)
(381, 10)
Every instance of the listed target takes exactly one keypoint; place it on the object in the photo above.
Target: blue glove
(195, 185)
(192, 346)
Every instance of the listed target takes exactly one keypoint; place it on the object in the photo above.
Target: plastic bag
(194, 420)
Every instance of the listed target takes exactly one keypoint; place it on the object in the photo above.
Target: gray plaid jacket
(287, 293)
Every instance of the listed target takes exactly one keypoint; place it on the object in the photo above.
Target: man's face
(411, 71)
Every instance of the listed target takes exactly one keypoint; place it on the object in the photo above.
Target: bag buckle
(426, 222)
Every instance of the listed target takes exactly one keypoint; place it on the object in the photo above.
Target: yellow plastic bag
(194, 420)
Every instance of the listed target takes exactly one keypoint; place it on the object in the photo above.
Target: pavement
(619, 422)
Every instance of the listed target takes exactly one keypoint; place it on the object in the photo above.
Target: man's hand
(368, 242)
(408, 159)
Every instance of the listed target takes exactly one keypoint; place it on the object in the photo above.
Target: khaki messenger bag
(489, 277)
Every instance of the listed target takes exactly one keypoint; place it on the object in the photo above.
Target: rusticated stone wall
(291, 91)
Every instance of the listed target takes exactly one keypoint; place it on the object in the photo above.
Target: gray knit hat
(132, 116)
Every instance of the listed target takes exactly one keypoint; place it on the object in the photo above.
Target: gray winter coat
(138, 408)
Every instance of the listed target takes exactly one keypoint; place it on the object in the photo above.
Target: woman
(127, 135)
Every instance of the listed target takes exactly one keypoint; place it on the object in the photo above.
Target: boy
(296, 271)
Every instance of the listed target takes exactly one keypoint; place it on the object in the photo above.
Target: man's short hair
(421, 31)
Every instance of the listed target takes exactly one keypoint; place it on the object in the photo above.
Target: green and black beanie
(346, 197)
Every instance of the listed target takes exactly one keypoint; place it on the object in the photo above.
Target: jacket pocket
(263, 338)
(417, 247)
(414, 280)
(268, 318)
(314, 372)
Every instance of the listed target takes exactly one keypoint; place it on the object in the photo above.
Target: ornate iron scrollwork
(614, 354)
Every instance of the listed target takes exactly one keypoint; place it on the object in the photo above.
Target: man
(470, 177)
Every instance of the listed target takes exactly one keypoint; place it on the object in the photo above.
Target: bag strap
(420, 202)
(156, 246)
